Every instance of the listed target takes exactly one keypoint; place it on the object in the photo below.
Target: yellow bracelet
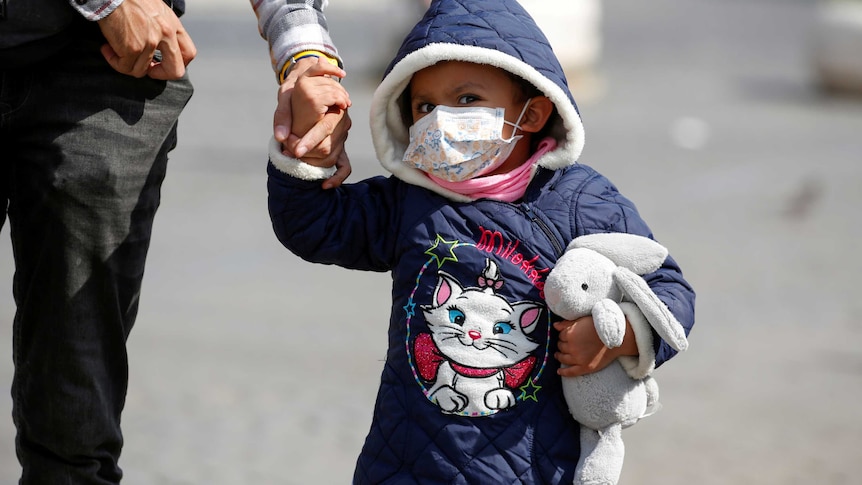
(309, 53)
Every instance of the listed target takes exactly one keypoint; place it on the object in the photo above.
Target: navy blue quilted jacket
(469, 392)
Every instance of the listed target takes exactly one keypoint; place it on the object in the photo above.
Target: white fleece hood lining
(390, 135)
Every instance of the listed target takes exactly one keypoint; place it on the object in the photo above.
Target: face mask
(458, 144)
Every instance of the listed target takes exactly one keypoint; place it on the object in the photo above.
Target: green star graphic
(440, 248)
(529, 391)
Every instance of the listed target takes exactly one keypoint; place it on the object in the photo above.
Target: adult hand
(312, 110)
(321, 137)
(580, 348)
(136, 29)
(315, 94)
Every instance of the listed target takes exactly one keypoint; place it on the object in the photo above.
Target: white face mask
(457, 144)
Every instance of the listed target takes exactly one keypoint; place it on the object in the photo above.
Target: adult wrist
(95, 10)
(315, 54)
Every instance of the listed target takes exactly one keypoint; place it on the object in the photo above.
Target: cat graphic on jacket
(479, 346)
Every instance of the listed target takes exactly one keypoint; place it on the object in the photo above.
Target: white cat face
(475, 327)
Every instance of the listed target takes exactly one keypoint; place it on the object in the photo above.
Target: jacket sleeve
(293, 26)
(352, 226)
(599, 207)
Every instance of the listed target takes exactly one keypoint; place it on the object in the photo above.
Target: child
(476, 124)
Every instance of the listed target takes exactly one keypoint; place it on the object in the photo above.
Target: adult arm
(292, 27)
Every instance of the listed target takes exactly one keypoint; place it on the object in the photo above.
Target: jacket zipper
(544, 227)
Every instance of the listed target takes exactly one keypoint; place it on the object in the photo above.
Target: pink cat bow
(429, 358)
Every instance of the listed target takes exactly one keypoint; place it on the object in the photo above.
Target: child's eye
(467, 99)
(424, 108)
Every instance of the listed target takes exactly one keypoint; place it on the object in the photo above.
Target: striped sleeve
(95, 10)
(293, 26)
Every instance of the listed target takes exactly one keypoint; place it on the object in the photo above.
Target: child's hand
(342, 171)
(580, 348)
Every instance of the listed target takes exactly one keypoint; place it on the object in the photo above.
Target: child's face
(461, 84)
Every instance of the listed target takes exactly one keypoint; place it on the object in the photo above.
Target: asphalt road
(250, 366)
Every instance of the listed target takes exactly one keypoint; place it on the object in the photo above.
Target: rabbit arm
(610, 323)
(641, 365)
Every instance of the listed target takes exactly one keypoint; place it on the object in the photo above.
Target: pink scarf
(507, 187)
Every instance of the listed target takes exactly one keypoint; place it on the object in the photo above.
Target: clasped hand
(136, 30)
(311, 119)
(580, 349)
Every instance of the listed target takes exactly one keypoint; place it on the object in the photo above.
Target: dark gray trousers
(83, 152)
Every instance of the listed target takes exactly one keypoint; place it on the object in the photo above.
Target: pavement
(251, 366)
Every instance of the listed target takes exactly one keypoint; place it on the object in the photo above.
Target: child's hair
(526, 90)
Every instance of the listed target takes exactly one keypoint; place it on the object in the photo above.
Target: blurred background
(736, 127)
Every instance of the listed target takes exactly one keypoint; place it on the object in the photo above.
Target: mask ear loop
(517, 123)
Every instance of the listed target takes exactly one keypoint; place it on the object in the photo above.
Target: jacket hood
(499, 33)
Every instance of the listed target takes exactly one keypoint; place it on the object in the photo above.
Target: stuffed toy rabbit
(599, 275)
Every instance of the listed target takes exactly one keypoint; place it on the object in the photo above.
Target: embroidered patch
(481, 353)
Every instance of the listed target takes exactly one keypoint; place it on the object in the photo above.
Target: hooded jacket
(469, 392)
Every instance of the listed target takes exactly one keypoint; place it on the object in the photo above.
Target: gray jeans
(83, 152)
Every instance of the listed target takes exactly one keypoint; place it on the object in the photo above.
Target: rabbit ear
(637, 253)
(655, 311)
